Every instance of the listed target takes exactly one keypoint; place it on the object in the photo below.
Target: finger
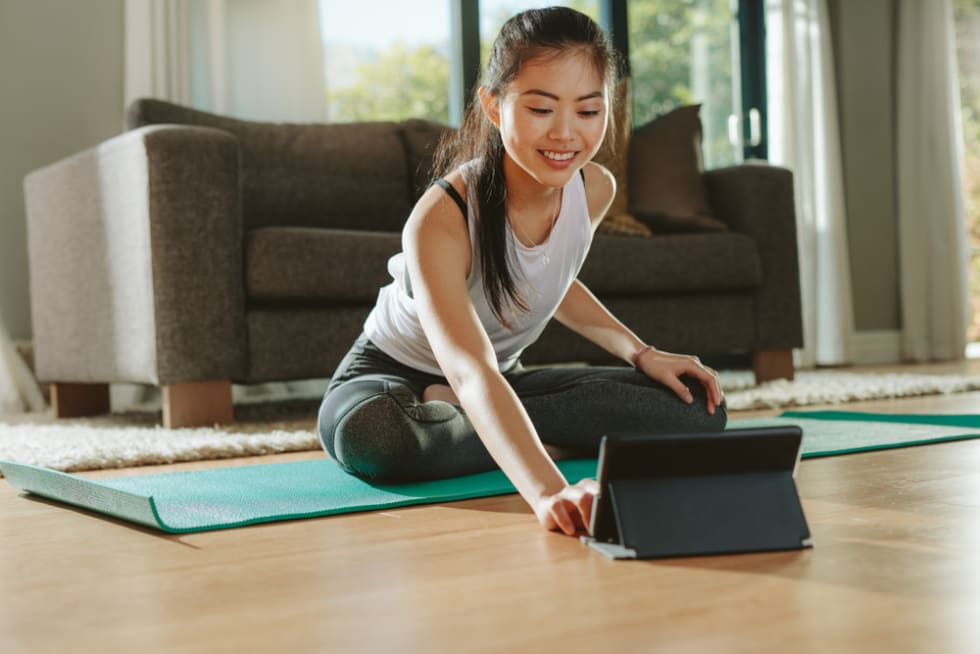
(572, 501)
(719, 394)
(714, 390)
(579, 505)
(710, 394)
(562, 519)
(675, 384)
(584, 506)
(708, 379)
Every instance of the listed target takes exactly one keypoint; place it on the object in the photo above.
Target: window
(686, 52)
(388, 62)
(967, 16)
(494, 13)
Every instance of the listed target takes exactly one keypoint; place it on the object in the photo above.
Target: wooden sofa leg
(197, 404)
(772, 364)
(79, 400)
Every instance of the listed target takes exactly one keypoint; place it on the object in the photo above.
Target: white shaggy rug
(133, 437)
(831, 387)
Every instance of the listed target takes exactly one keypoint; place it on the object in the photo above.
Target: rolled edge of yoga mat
(83, 493)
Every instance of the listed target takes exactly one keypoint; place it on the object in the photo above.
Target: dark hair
(528, 35)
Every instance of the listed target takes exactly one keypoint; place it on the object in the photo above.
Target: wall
(863, 52)
(61, 72)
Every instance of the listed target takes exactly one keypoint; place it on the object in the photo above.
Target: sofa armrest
(758, 200)
(135, 251)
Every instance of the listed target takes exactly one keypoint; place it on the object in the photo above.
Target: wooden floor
(895, 568)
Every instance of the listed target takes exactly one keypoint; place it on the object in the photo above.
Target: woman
(434, 386)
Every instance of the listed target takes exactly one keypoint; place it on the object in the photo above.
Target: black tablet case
(695, 494)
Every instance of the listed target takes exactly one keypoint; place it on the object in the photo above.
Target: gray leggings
(373, 423)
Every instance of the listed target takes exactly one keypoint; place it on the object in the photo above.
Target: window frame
(465, 57)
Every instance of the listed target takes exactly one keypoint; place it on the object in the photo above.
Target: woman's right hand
(570, 509)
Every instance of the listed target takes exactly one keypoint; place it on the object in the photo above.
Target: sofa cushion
(344, 176)
(677, 263)
(289, 264)
(666, 188)
(421, 139)
(294, 264)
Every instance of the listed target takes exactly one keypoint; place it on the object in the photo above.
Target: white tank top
(543, 275)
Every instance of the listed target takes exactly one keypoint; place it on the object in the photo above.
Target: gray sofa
(196, 250)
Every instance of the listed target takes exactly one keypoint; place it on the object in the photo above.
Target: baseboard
(877, 347)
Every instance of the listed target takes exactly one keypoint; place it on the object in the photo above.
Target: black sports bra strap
(458, 199)
(453, 193)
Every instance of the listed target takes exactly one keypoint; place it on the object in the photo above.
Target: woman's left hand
(667, 368)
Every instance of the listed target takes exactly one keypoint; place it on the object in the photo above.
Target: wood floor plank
(895, 567)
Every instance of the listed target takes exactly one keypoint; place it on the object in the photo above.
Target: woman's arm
(584, 314)
(437, 252)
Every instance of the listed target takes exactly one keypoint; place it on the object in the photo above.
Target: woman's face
(552, 117)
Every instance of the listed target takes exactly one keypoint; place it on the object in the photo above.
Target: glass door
(967, 17)
(493, 14)
(387, 61)
(691, 51)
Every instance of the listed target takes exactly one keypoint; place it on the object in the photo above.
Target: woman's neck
(530, 202)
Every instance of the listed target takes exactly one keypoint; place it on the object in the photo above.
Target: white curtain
(931, 202)
(804, 136)
(18, 389)
(251, 59)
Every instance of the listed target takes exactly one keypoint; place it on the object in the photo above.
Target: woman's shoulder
(600, 189)
(442, 208)
(457, 178)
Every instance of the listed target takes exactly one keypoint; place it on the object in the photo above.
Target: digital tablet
(696, 494)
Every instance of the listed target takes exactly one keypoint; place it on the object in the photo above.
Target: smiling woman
(434, 386)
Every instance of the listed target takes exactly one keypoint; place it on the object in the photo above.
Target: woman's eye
(589, 114)
(539, 111)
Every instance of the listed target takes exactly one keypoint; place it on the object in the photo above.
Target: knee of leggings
(371, 426)
(712, 422)
(341, 401)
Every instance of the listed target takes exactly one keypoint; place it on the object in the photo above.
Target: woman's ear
(490, 103)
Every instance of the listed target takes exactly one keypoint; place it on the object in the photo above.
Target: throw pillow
(623, 224)
(666, 189)
(613, 156)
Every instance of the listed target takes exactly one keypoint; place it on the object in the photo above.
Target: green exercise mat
(219, 498)
(831, 433)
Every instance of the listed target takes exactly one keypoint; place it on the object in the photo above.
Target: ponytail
(523, 37)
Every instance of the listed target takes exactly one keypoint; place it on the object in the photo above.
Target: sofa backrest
(345, 175)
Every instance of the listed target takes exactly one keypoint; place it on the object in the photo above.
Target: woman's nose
(561, 128)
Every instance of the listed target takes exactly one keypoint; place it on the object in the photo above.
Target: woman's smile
(559, 160)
